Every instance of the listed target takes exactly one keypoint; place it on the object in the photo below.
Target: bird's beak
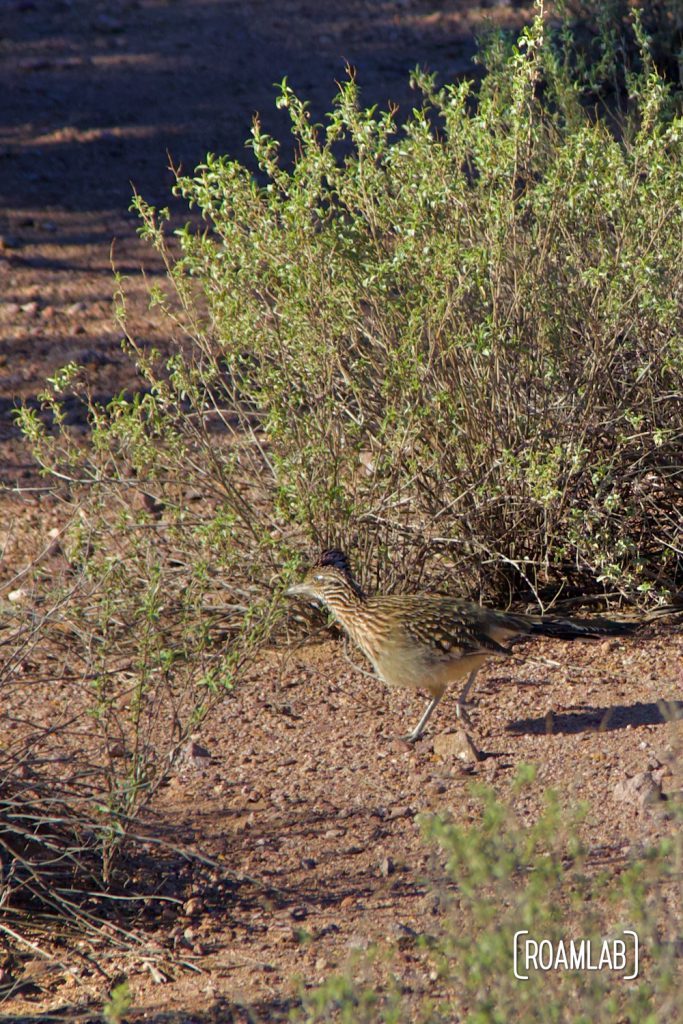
(297, 590)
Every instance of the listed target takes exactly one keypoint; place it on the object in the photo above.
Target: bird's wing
(449, 625)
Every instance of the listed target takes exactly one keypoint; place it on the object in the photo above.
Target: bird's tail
(573, 629)
(576, 629)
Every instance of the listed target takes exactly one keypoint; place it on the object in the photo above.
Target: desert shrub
(451, 344)
(509, 874)
(454, 344)
(130, 627)
(609, 38)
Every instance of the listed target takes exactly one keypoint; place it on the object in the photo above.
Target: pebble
(193, 906)
(386, 867)
(456, 745)
(193, 755)
(642, 791)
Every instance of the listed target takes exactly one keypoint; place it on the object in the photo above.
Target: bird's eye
(319, 576)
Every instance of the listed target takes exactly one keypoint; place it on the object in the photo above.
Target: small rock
(193, 906)
(456, 744)
(193, 755)
(405, 936)
(16, 595)
(367, 461)
(642, 791)
(386, 867)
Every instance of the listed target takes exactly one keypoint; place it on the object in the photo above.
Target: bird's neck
(351, 612)
(345, 605)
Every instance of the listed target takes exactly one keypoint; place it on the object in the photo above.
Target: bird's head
(329, 581)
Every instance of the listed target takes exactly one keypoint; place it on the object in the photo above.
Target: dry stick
(34, 946)
(536, 660)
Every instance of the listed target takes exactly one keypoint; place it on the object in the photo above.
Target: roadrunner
(426, 641)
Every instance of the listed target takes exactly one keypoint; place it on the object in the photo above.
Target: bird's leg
(420, 727)
(461, 704)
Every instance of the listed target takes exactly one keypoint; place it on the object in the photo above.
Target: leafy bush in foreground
(508, 875)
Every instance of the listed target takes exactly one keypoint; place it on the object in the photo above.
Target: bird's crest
(337, 559)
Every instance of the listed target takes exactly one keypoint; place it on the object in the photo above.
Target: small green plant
(119, 1003)
(542, 880)
(508, 876)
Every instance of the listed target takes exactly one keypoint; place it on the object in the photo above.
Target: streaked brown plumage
(427, 641)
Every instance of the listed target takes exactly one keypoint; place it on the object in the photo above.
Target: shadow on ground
(96, 95)
(599, 719)
(267, 1011)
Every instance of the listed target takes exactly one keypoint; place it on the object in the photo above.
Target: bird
(429, 641)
